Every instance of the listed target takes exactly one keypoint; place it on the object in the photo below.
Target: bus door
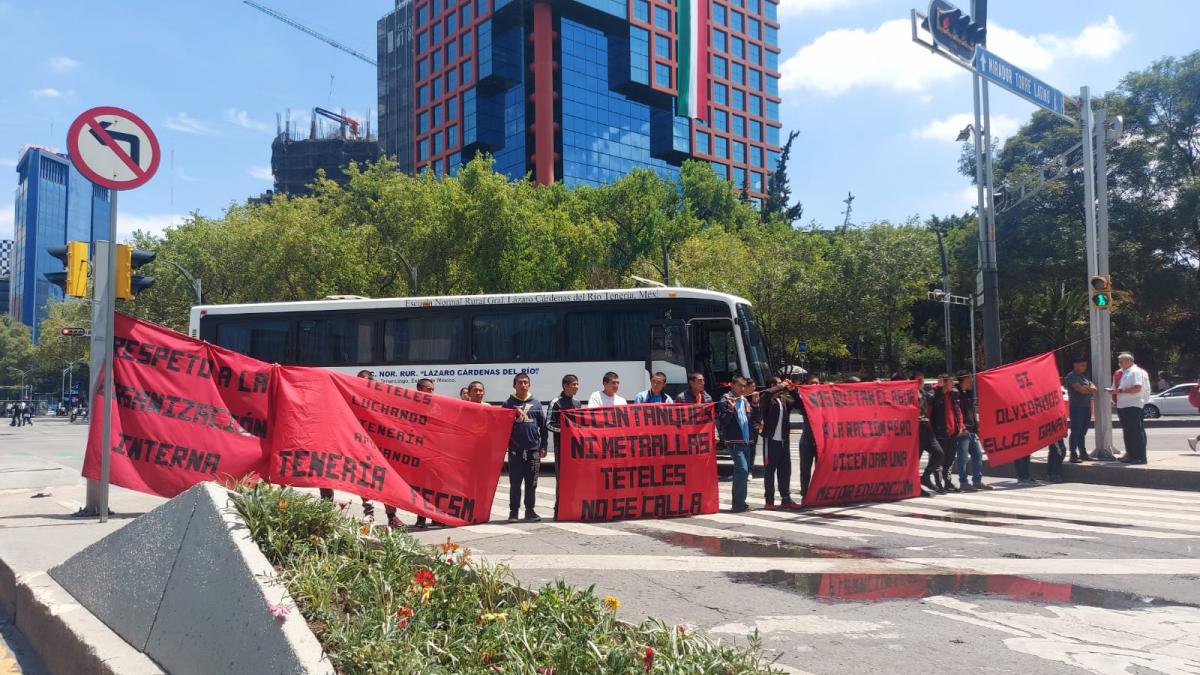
(669, 355)
(714, 353)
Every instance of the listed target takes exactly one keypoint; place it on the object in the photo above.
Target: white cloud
(150, 223)
(242, 119)
(798, 7)
(46, 92)
(843, 59)
(945, 130)
(6, 221)
(261, 173)
(10, 163)
(187, 124)
(183, 176)
(62, 64)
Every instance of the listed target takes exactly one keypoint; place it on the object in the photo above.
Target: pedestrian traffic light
(73, 280)
(1101, 291)
(953, 30)
(128, 260)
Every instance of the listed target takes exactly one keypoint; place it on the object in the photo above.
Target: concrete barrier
(186, 585)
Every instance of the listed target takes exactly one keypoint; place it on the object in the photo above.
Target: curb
(66, 636)
(1112, 473)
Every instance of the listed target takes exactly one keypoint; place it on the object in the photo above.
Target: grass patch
(383, 602)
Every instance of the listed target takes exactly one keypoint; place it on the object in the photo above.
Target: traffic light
(1000, 199)
(73, 280)
(953, 30)
(128, 260)
(1101, 291)
(70, 331)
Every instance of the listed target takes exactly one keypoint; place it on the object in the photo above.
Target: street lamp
(193, 281)
(947, 299)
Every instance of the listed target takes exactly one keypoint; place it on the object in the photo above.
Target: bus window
(422, 340)
(335, 341)
(263, 339)
(668, 354)
(515, 337)
(589, 336)
(630, 334)
(756, 348)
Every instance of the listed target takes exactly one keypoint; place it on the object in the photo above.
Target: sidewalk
(37, 532)
(1166, 469)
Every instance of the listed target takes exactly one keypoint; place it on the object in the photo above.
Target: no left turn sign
(113, 148)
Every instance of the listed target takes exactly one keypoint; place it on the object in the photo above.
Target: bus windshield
(756, 349)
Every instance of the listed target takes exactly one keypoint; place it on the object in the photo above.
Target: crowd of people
(20, 414)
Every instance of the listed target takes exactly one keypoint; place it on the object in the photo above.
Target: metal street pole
(1104, 430)
(991, 277)
(1100, 373)
(110, 306)
(982, 208)
(945, 303)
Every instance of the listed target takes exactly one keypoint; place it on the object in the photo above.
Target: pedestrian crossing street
(1044, 514)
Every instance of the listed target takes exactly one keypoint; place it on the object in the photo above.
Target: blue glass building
(54, 204)
(580, 91)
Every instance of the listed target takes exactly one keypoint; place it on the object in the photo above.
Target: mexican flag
(692, 78)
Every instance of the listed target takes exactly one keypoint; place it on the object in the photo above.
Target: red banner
(184, 411)
(867, 442)
(432, 455)
(637, 461)
(1021, 409)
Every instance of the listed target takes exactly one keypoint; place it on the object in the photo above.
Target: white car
(1173, 401)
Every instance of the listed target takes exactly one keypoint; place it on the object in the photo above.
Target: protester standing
(776, 404)
(695, 392)
(735, 415)
(462, 394)
(655, 394)
(424, 385)
(968, 444)
(1081, 393)
(526, 448)
(565, 401)
(475, 392)
(808, 438)
(1132, 393)
(607, 395)
(931, 478)
(368, 507)
(945, 416)
(27, 413)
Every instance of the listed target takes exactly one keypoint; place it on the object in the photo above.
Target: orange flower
(486, 655)
(283, 505)
(448, 547)
(365, 529)
(425, 578)
(612, 604)
(404, 614)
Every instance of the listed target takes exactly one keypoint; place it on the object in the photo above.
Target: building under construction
(332, 146)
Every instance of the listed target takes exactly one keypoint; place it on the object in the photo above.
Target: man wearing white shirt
(1132, 393)
(608, 395)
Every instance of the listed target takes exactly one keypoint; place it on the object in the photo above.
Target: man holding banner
(945, 414)
(736, 419)
(526, 448)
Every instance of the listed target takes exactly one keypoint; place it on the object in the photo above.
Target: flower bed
(385, 603)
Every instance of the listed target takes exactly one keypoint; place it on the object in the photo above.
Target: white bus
(454, 340)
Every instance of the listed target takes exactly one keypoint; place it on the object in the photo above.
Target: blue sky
(877, 115)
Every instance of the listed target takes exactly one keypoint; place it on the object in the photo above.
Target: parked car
(1173, 401)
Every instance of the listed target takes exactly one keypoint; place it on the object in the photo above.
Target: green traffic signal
(1101, 300)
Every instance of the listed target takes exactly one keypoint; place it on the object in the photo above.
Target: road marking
(684, 527)
(1189, 509)
(490, 529)
(820, 531)
(985, 530)
(1184, 498)
(865, 525)
(589, 530)
(1073, 567)
(1055, 510)
(907, 507)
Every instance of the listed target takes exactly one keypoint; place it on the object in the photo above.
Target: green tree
(16, 352)
(779, 193)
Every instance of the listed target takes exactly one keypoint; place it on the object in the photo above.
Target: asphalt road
(1042, 579)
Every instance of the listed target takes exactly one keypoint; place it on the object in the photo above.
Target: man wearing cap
(1132, 392)
(1080, 391)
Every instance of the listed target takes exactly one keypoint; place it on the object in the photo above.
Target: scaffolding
(330, 144)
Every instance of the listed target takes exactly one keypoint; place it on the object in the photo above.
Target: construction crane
(340, 119)
(299, 26)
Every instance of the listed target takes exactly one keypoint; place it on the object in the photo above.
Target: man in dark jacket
(945, 415)
(565, 401)
(735, 422)
(808, 438)
(695, 392)
(968, 444)
(776, 404)
(526, 448)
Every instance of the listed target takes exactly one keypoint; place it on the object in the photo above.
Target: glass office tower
(582, 91)
(55, 204)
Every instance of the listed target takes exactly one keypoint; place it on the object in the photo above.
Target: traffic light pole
(1104, 427)
(987, 227)
(103, 305)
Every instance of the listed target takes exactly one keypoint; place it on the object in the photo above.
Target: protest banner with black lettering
(637, 461)
(1021, 409)
(184, 411)
(867, 442)
(435, 456)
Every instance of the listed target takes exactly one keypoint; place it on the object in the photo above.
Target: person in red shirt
(945, 415)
